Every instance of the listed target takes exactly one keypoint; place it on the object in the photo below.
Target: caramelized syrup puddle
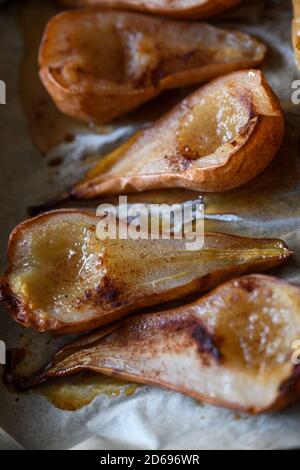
(73, 393)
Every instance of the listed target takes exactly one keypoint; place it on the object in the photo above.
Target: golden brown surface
(62, 276)
(98, 65)
(232, 347)
(218, 138)
(177, 8)
(296, 30)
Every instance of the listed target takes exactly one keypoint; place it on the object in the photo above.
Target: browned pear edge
(102, 106)
(202, 9)
(259, 146)
(21, 311)
(288, 391)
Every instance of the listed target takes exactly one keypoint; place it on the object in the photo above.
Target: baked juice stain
(73, 393)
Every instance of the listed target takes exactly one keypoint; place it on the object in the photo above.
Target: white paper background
(151, 418)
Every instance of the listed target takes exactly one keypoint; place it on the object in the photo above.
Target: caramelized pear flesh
(219, 138)
(232, 347)
(176, 8)
(296, 31)
(64, 276)
(98, 65)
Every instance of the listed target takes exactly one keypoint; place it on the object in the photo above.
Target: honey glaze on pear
(231, 347)
(212, 122)
(110, 62)
(63, 277)
(258, 323)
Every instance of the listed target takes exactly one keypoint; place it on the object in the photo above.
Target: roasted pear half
(177, 8)
(296, 31)
(233, 347)
(98, 65)
(64, 276)
(219, 138)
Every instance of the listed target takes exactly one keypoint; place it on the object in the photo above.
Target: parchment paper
(149, 418)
